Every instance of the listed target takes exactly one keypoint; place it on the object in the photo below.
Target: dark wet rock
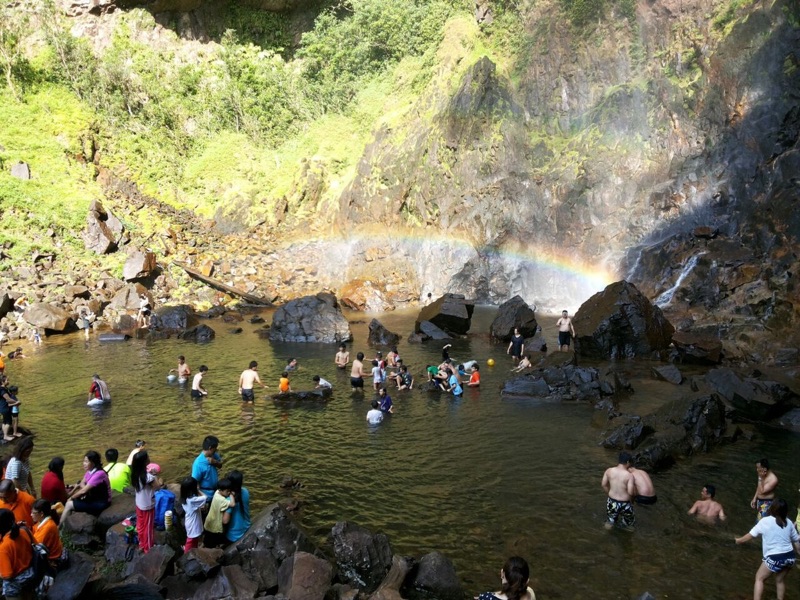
(135, 586)
(70, 582)
(6, 304)
(791, 420)
(304, 577)
(696, 349)
(235, 330)
(380, 336)
(232, 317)
(432, 332)
(389, 589)
(171, 318)
(514, 313)
(103, 230)
(117, 544)
(231, 582)
(261, 567)
(363, 558)
(680, 427)
(80, 527)
(435, 577)
(274, 531)
(153, 565)
(200, 334)
(417, 338)
(451, 313)
(213, 312)
(752, 397)
(180, 587)
(123, 323)
(669, 373)
(122, 506)
(200, 563)
(49, 317)
(139, 265)
(310, 319)
(21, 170)
(526, 385)
(256, 319)
(558, 360)
(620, 322)
(536, 343)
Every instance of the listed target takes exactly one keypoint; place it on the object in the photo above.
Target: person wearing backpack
(16, 558)
(145, 484)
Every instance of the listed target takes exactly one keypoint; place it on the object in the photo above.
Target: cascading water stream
(665, 298)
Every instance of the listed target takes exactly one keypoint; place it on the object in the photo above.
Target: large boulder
(273, 531)
(431, 332)
(680, 427)
(153, 565)
(200, 563)
(380, 336)
(435, 577)
(231, 582)
(752, 397)
(127, 298)
(49, 317)
(364, 558)
(140, 264)
(620, 322)
(171, 318)
(696, 349)
(103, 230)
(305, 577)
(69, 583)
(514, 313)
(6, 304)
(122, 506)
(310, 319)
(201, 334)
(80, 527)
(451, 312)
(261, 567)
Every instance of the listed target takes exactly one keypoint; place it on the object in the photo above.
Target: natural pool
(478, 478)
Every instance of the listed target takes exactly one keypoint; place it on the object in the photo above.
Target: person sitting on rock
(284, 386)
(404, 379)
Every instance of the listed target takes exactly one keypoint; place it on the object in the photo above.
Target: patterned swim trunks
(619, 511)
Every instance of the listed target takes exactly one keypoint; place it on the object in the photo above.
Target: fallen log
(223, 287)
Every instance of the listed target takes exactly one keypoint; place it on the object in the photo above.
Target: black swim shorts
(357, 382)
(248, 395)
(564, 338)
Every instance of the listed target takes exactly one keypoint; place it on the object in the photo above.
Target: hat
(153, 469)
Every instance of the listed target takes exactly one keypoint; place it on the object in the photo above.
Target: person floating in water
(291, 365)
(707, 507)
(525, 363)
(620, 486)
(565, 331)
(765, 489)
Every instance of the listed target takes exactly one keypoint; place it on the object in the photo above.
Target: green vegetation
(582, 13)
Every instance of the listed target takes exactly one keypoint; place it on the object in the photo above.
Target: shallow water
(477, 478)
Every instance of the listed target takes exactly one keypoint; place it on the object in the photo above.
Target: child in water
(284, 386)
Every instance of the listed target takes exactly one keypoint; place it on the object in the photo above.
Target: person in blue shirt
(240, 514)
(453, 385)
(386, 401)
(206, 465)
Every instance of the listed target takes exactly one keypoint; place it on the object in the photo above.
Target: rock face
(368, 296)
(514, 313)
(752, 397)
(380, 336)
(140, 264)
(679, 428)
(103, 230)
(304, 577)
(557, 378)
(451, 312)
(364, 559)
(49, 317)
(310, 319)
(620, 322)
(696, 349)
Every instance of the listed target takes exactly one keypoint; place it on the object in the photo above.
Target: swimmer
(198, 391)
(182, 370)
(619, 485)
(765, 489)
(247, 380)
(475, 378)
(342, 358)
(291, 365)
(645, 491)
(357, 373)
(707, 507)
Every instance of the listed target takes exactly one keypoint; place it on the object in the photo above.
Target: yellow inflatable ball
(490, 362)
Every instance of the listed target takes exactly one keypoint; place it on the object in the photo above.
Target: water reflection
(478, 478)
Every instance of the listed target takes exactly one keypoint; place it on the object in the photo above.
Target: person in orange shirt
(18, 502)
(475, 378)
(284, 386)
(45, 530)
(16, 557)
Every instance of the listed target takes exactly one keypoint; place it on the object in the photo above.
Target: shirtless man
(765, 489)
(645, 492)
(247, 380)
(342, 357)
(182, 369)
(708, 508)
(619, 484)
(565, 331)
(357, 373)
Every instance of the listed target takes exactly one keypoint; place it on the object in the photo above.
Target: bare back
(643, 483)
(619, 484)
(358, 369)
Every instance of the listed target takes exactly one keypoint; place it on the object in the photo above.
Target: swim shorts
(357, 382)
(778, 562)
(197, 394)
(762, 506)
(248, 395)
(564, 338)
(646, 499)
(620, 511)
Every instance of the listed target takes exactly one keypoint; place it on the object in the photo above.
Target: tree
(13, 25)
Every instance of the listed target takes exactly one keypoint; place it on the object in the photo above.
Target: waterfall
(665, 298)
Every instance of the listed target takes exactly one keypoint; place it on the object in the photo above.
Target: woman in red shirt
(53, 488)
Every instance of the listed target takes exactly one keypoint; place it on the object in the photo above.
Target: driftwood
(389, 589)
(218, 285)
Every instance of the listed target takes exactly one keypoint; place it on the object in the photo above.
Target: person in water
(182, 370)
(645, 491)
(516, 347)
(475, 378)
(514, 579)
(283, 385)
(98, 390)
(357, 373)
(247, 380)
(566, 331)
(198, 391)
(620, 486)
(765, 489)
(320, 382)
(374, 415)
(342, 358)
(707, 507)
